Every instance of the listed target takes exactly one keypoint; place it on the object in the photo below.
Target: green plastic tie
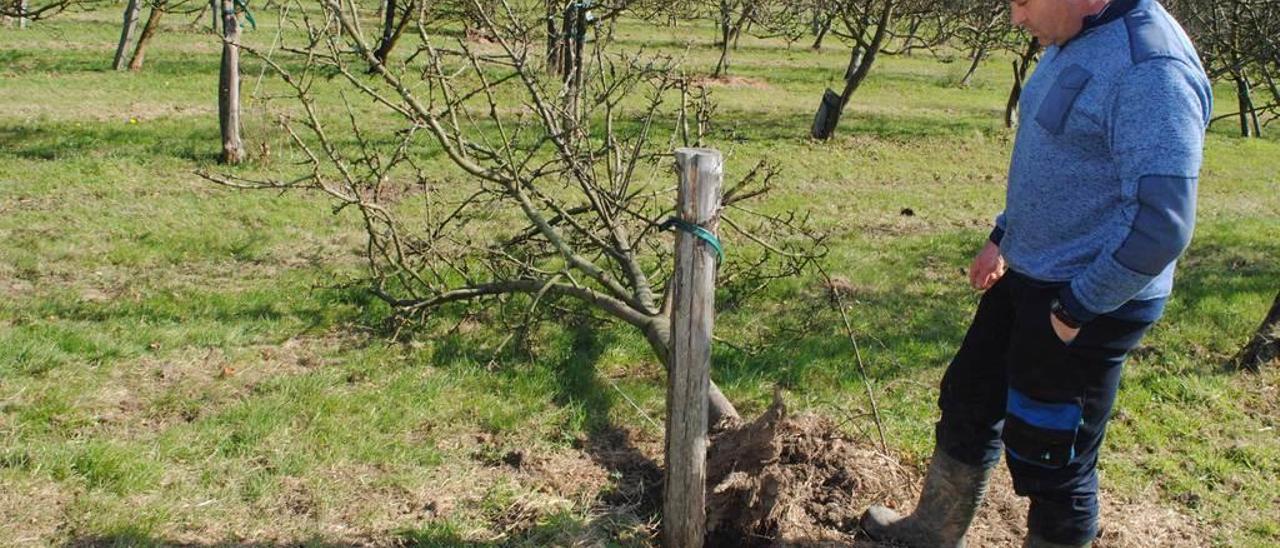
(248, 15)
(701, 233)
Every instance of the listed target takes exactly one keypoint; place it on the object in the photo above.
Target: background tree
(868, 25)
(23, 12)
(1236, 40)
(762, 18)
(1029, 51)
(980, 29)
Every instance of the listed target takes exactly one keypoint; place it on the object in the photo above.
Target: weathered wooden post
(229, 86)
(684, 507)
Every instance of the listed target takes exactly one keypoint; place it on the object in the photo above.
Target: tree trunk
(726, 40)
(22, 14)
(860, 62)
(391, 31)
(1264, 348)
(148, 32)
(853, 75)
(1020, 67)
(821, 33)
(978, 55)
(722, 66)
(131, 12)
(229, 86)
(1246, 105)
(215, 16)
(567, 34)
(553, 40)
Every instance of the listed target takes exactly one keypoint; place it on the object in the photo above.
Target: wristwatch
(1060, 312)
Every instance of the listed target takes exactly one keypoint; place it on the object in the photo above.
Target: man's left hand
(1065, 334)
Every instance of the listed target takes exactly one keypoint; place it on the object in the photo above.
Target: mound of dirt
(798, 481)
(786, 481)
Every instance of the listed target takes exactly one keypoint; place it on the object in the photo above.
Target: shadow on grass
(638, 487)
(893, 128)
(1219, 268)
(190, 139)
(147, 141)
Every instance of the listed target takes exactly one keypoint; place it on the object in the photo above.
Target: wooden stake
(684, 507)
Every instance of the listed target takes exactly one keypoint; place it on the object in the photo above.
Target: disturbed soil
(798, 481)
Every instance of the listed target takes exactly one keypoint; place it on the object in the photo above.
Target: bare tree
(25, 11)
(1021, 65)
(761, 18)
(982, 28)
(867, 24)
(1236, 39)
(565, 184)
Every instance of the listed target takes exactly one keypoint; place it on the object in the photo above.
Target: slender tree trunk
(822, 31)
(148, 32)
(553, 39)
(22, 14)
(567, 35)
(576, 73)
(229, 86)
(1020, 67)
(130, 26)
(867, 58)
(392, 30)
(722, 66)
(726, 39)
(1264, 348)
(216, 15)
(1246, 105)
(978, 55)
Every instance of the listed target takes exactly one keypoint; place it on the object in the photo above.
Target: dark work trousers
(1014, 385)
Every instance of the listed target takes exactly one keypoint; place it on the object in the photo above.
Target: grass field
(180, 362)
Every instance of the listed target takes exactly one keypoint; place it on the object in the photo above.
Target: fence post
(684, 506)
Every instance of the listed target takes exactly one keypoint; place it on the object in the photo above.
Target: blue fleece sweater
(1102, 184)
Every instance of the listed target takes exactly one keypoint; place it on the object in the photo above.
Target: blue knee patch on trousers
(1039, 432)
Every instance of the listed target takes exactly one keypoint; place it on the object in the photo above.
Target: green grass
(184, 363)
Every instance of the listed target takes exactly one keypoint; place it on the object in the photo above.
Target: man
(1100, 204)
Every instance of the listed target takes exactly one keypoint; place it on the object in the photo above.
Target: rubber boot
(952, 493)
(1034, 541)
